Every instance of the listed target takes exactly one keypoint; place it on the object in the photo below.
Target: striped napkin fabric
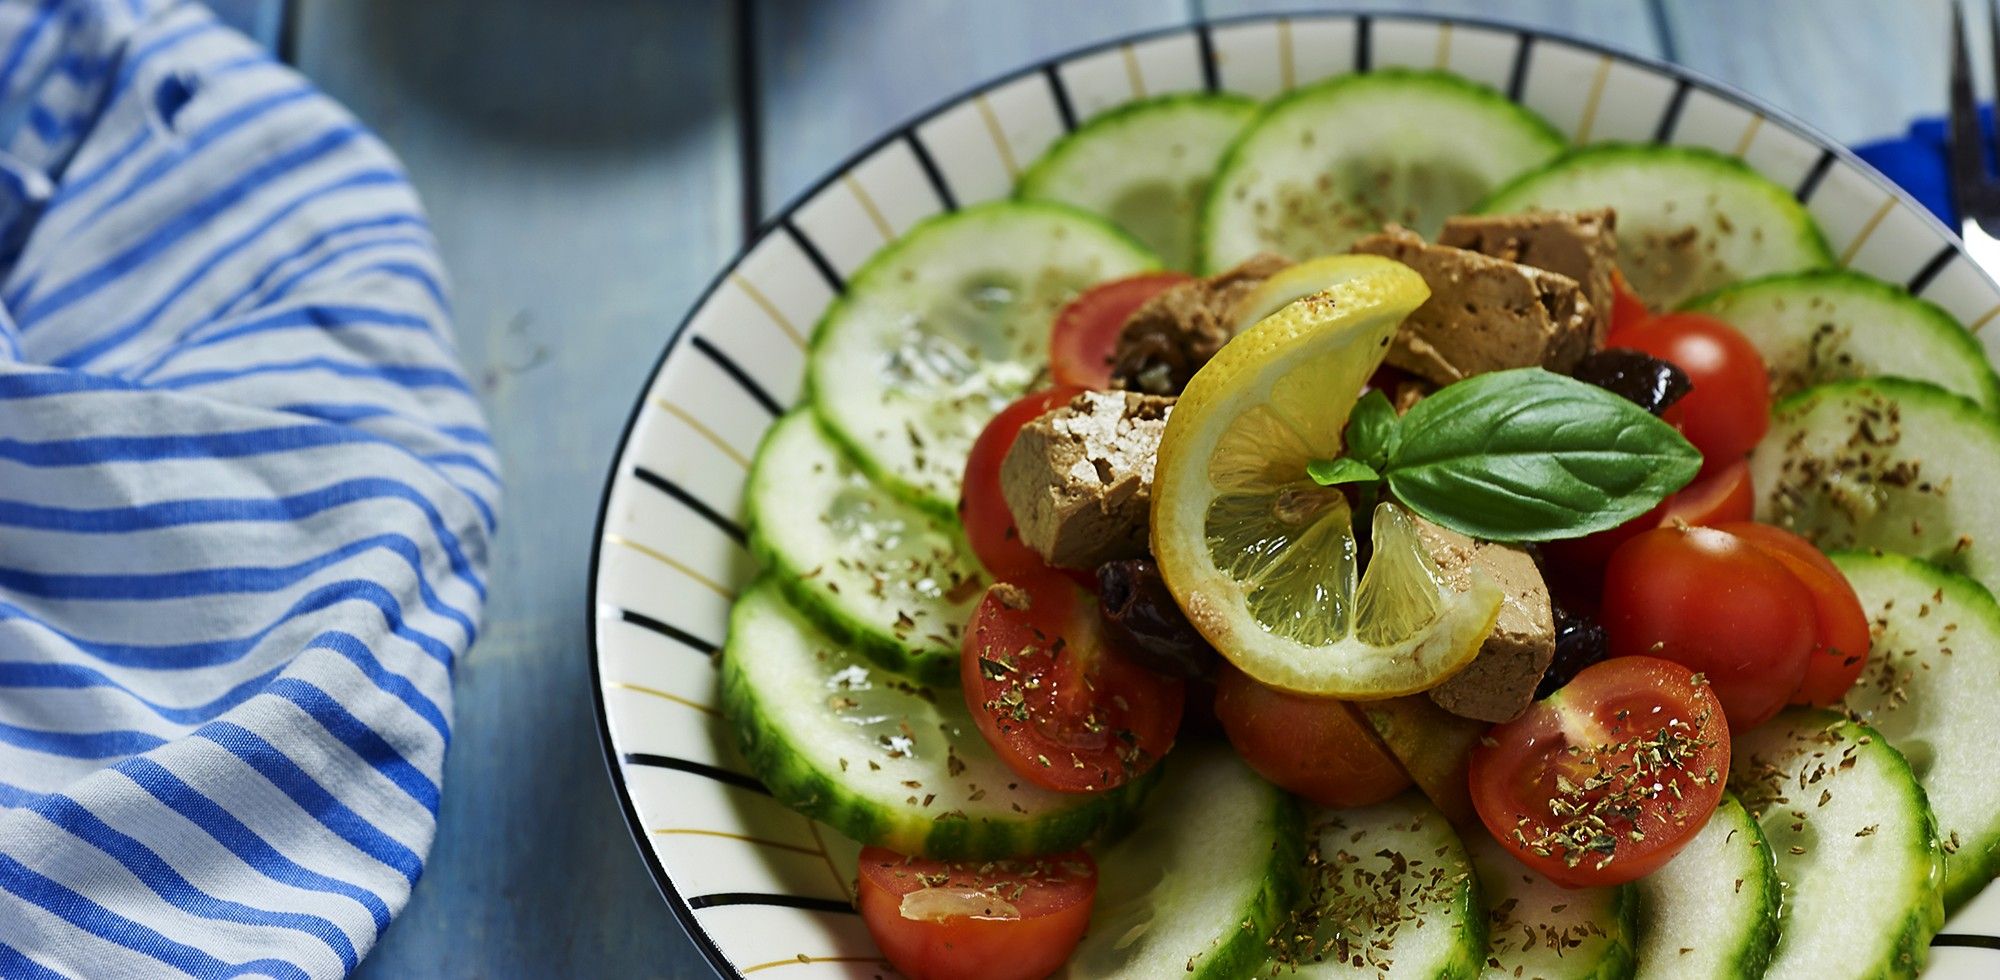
(246, 502)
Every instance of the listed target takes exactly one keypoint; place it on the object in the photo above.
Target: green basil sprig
(1521, 455)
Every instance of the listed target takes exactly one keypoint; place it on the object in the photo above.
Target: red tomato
(1085, 334)
(1315, 747)
(1008, 920)
(1717, 495)
(1730, 406)
(1627, 309)
(1841, 648)
(1058, 703)
(1609, 777)
(1709, 601)
(989, 525)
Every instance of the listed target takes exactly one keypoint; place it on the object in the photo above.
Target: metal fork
(1974, 189)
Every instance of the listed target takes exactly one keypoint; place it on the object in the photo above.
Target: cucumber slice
(1689, 220)
(1144, 166)
(1196, 889)
(1390, 893)
(1885, 463)
(1854, 843)
(878, 758)
(1537, 928)
(1932, 679)
(945, 326)
(1712, 911)
(889, 578)
(1834, 325)
(1329, 163)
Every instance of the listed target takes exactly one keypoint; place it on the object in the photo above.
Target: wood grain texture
(579, 164)
(1628, 24)
(1857, 69)
(832, 76)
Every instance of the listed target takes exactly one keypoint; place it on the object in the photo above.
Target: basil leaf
(1373, 429)
(1346, 469)
(1526, 455)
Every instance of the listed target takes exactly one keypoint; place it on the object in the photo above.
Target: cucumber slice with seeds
(1885, 463)
(1144, 166)
(1932, 679)
(1854, 844)
(1712, 911)
(890, 578)
(1689, 220)
(1198, 886)
(1329, 163)
(1537, 928)
(1835, 325)
(945, 326)
(1390, 893)
(881, 759)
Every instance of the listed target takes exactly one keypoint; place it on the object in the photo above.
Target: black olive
(1580, 642)
(1144, 620)
(1640, 378)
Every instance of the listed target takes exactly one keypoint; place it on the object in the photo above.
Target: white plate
(760, 887)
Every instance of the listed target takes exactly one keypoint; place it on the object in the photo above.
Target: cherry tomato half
(1710, 601)
(1841, 648)
(1017, 919)
(1315, 747)
(1084, 336)
(1606, 779)
(1717, 495)
(1059, 703)
(1627, 309)
(989, 525)
(1730, 406)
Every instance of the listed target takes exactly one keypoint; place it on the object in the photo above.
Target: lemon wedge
(1262, 559)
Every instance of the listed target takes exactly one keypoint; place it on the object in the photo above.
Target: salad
(1360, 535)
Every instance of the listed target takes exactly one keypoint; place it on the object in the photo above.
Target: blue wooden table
(589, 164)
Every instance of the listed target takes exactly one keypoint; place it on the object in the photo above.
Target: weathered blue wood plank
(1857, 69)
(1627, 24)
(834, 75)
(578, 161)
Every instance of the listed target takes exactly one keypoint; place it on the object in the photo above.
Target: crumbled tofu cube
(1582, 245)
(1079, 480)
(1169, 337)
(1484, 314)
(1499, 684)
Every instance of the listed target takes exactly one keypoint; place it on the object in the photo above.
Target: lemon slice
(1261, 558)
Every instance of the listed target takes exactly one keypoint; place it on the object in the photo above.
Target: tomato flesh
(1840, 649)
(1717, 495)
(1605, 780)
(989, 524)
(1007, 920)
(1729, 408)
(1315, 747)
(1708, 600)
(1059, 703)
(1084, 337)
(1627, 309)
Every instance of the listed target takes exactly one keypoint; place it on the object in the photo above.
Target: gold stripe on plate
(675, 698)
(702, 430)
(868, 204)
(1984, 318)
(1590, 101)
(625, 542)
(1444, 47)
(820, 842)
(1854, 247)
(999, 135)
(1132, 71)
(1287, 75)
(1749, 134)
(759, 841)
(808, 960)
(770, 309)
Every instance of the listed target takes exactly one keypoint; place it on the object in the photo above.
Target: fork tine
(1967, 158)
(1993, 37)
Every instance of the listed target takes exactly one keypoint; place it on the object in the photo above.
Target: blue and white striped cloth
(246, 500)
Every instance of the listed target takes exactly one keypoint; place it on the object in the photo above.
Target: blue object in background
(1918, 161)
